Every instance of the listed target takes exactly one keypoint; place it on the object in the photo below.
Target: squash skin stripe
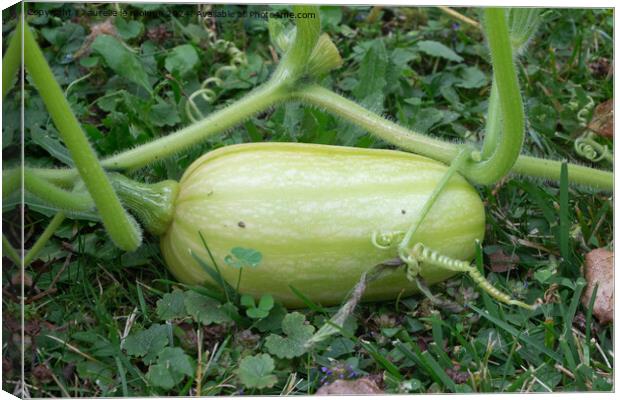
(315, 237)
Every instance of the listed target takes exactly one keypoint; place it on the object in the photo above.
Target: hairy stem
(438, 149)
(55, 196)
(258, 100)
(510, 139)
(121, 227)
(44, 238)
(295, 61)
(493, 124)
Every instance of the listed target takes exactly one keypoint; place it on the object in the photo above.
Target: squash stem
(152, 204)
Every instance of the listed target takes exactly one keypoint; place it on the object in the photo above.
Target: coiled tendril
(420, 254)
(206, 92)
(587, 147)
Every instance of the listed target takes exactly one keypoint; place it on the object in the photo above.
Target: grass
(89, 303)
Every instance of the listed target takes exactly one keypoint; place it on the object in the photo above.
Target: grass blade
(517, 334)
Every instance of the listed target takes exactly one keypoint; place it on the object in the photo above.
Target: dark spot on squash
(403, 212)
(241, 224)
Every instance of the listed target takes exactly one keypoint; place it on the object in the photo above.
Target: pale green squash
(311, 211)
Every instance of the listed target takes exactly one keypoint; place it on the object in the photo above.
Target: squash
(311, 211)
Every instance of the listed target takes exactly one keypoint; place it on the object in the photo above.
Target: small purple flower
(455, 26)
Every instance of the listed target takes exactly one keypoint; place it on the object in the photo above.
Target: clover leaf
(240, 257)
(265, 304)
(297, 334)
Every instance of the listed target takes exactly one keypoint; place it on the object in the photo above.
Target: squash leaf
(121, 60)
(436, 49)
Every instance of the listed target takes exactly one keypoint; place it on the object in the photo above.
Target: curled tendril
(421, 254)
(207, 90)
(585, 111)
(588, 148)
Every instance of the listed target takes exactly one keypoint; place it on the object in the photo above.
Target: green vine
(122, 228)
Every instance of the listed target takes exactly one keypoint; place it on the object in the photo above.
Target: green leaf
(207, 310)
(148, 343)
(266, 302)
(273, 322)
(241, 258)
(426, 119)
(182, 59)
(172, 305)
(171, 367)
(256, 372)
(436, 49)
(51, 144)
(472, 78)
(247, 301)
(373, 68)
(256, 313)
(162, 114)
(121, 60)
(297, 334)
(128, 29)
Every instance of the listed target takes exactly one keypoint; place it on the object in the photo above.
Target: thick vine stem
(295, 61)
(261, 98)
(510, 138)
(493, 124)
(121, 227)
(438, 149)
(55, 196)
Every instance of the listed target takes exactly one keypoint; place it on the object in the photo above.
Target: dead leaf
(599, 269)
(602, 122)
(357, 386)
(502, 262)
(103, 28)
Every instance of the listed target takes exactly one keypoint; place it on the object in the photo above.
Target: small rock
(42, 373)
(358, 386)
(599, 269)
